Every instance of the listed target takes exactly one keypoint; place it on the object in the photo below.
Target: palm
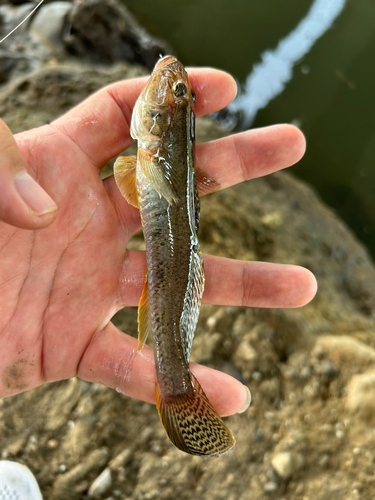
(61, 285)
(65, 283)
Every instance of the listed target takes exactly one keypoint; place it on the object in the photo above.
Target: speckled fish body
(162, 183)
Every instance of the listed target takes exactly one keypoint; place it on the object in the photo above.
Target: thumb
(23, 202)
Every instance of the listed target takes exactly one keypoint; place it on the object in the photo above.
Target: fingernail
(33, 195)
(247, 402)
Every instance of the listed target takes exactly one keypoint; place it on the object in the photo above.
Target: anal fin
(144, 320)
(125, 176)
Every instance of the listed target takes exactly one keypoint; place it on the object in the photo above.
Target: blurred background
(307, 62)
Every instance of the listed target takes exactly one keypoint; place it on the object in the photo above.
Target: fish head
(167, 91)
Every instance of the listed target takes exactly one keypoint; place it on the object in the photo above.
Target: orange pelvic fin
(192, 424)
(125, 176)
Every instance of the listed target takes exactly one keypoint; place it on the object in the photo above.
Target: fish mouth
(164, 61)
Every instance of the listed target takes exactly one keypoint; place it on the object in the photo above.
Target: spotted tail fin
(192, 424)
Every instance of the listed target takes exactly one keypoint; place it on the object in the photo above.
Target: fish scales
(161, 182)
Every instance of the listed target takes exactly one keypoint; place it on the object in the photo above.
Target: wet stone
(361, 395)
(285, 464)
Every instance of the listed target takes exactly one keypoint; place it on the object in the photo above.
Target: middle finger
(232, 160)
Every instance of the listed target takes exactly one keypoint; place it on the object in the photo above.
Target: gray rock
(19, 53)
(104, 31)
(48, 25)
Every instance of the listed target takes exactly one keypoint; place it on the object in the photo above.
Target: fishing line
(21, 23)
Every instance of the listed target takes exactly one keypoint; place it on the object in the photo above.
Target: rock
(246, 359)
(285, 464)
(361, 395)
(53, 84)
(343, 350)
(97, 31)
(103, 31)
(48, 25)
(19, 53)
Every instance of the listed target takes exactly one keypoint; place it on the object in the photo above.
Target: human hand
(60, 286)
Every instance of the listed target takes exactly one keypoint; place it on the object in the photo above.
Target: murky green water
(331, 91)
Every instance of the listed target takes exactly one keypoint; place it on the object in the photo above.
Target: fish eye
(193, 96)
(179, 89)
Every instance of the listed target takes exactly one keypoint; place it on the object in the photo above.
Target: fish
(162, 182)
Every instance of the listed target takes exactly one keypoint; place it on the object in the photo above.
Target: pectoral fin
(125, 177)
(205, 184)
(144, 320)
(160, 174)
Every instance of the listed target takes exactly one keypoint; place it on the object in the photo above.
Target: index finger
(100, 126)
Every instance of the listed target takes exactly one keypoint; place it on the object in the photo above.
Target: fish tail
(192, 424)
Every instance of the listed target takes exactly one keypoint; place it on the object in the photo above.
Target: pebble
(245, 354)
(270, 487)
(272, 220)
(52, 444)
(299, 488)
(328, 369)
(101, 484)
(361, 395)
(285, 464)
(306, 372)
(323, 460)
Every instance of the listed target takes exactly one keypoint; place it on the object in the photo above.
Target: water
(309, 62)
